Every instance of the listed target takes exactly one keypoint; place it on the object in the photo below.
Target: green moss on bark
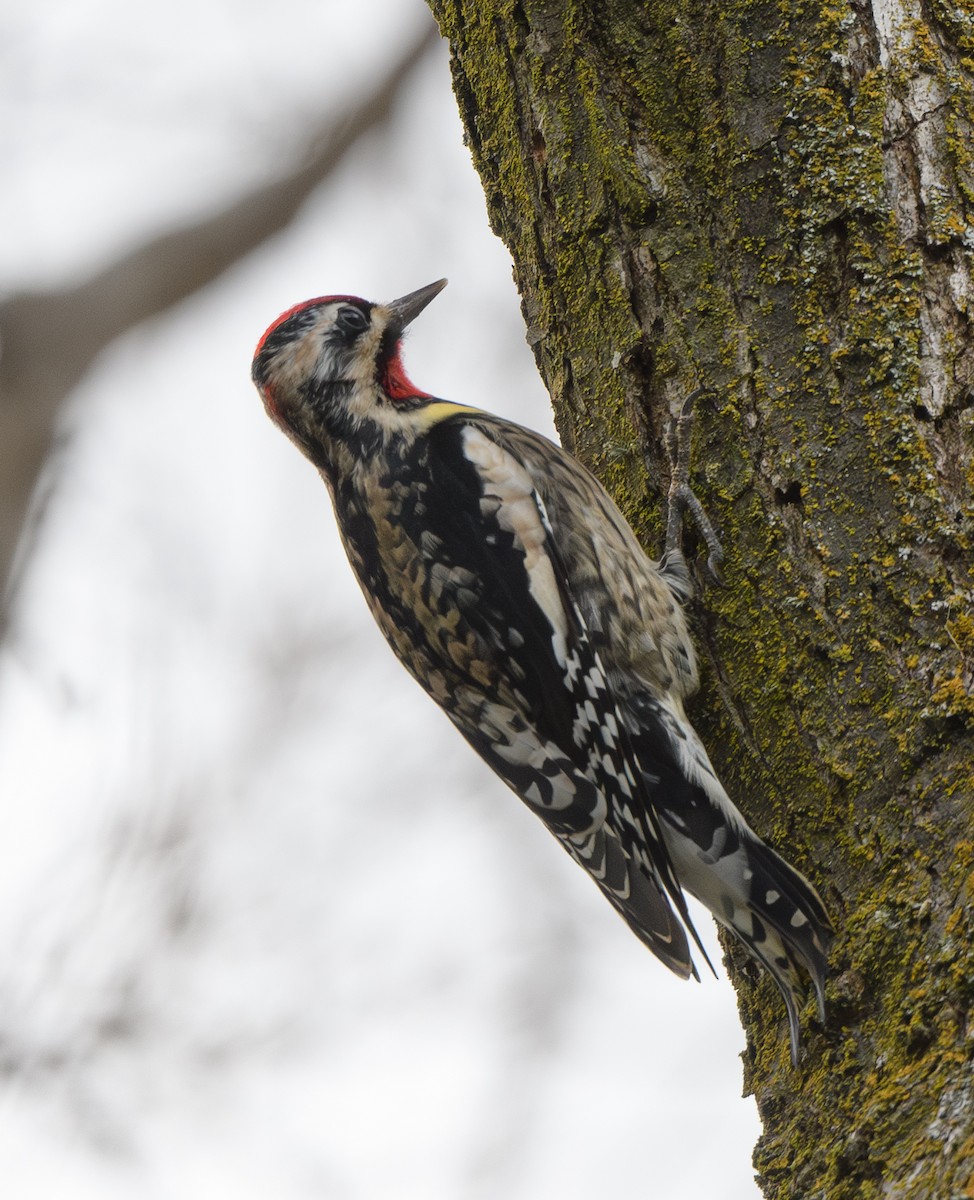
(773, 199)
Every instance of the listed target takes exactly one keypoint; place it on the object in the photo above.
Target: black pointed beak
(407, 308)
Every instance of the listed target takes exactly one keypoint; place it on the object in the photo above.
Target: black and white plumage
(513, 590)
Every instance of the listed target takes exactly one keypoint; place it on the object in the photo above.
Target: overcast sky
(267, 927)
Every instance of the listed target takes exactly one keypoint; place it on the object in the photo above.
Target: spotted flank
(511, 588)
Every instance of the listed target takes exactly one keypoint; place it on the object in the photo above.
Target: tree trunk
(774, 200)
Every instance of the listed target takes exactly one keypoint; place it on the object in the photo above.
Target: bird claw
(681, 498)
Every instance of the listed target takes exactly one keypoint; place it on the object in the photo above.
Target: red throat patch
(396, 382)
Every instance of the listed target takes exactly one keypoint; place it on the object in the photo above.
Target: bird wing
(630, 608)
(533, 698)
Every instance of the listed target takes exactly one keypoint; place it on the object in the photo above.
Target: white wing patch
(510, 499)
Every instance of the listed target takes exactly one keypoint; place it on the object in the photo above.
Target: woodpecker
(512, 589)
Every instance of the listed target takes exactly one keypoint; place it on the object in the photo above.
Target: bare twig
(49, 339)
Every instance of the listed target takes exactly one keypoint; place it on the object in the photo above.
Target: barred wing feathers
(616, 650)
(632, 611)
(547, 722)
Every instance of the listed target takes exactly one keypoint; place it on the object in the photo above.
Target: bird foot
(681, 498)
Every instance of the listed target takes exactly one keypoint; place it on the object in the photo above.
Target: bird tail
(770, 906)
(781, 919)
(718, 858)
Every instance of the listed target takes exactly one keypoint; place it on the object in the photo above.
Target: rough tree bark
(774, 199)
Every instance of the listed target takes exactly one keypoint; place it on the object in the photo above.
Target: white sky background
(267, 927)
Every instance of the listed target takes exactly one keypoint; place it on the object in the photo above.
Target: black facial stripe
(300, 322)
(287, 332)
(390, 339)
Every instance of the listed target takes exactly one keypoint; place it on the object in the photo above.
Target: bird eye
(351, 320)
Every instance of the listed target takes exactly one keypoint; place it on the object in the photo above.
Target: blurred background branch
(49, 339)
(261, 911)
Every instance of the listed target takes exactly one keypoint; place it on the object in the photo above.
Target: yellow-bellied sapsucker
(512, 589)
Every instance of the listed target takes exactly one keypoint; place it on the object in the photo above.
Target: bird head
(330, 372)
